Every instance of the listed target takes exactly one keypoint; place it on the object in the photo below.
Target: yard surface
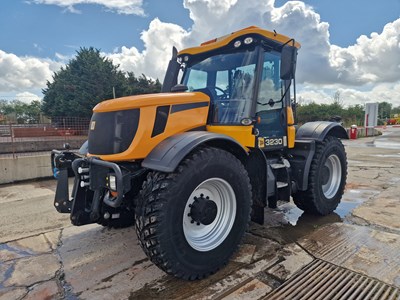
(353, 252)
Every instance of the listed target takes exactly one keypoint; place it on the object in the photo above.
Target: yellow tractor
(192, 165)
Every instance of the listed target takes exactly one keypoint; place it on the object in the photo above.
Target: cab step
(277, 166)
(280, 184)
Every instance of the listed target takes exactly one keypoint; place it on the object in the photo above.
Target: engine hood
(159, 99)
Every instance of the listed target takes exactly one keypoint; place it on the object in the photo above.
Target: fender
(304, 148)
(319, 130)
(167, 155)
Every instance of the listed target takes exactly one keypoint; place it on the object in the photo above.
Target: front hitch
(61, 163)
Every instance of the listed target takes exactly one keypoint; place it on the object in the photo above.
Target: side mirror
(179, 88)
(288, 62)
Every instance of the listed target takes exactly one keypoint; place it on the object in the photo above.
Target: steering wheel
(224, 94)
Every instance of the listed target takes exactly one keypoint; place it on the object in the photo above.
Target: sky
(348, 46)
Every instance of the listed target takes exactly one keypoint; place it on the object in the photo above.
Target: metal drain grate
(322, 280)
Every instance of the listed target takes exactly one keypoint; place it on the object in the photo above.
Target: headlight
(248, 40)
(237, 44)
(112, 182)
(246, 121)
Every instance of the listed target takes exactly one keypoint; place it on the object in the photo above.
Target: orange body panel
(225, 40)
(242, 134)
(177, 122)
(140, 101)
(291, 131)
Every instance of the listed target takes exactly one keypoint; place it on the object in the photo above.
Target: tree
(141, 85)
(88, 79)
(337, 100)
(324, 112)
(384, 110)
(396, 110)
(21, 112)
(85, 81)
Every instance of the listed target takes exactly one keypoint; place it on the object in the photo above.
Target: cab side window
(270, 92)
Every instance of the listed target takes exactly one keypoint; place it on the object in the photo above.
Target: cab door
(271, 109)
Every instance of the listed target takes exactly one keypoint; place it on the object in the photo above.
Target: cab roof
(226, 39)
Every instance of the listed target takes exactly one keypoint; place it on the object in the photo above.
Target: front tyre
(191, 221)
(326, 180)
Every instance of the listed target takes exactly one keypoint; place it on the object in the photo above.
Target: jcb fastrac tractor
(192, 165)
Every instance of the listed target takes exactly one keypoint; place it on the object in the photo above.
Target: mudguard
(304, 148)
(167, 155)
(319, 130)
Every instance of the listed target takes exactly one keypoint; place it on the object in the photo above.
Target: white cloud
(20, 74)
(158, 41)
(371, 60)
(380, 92)
(27, 97)
(369, 69)
(128, 7)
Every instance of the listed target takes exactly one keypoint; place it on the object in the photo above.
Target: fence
(37, 139)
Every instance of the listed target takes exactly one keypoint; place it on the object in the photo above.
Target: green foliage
(384, 110)
(396, 110)
(88, 79)
(85, 81)
(20, 112)
(141, 85)
(324, 112)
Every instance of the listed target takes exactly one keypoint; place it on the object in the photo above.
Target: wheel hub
(325, 175)
(203, 210)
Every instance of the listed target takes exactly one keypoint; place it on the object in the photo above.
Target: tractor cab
(247, 77)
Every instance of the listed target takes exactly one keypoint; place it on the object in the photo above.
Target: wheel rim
(333, 176)
(207, 237)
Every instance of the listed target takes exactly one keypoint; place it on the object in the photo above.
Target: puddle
(6, 271)
(387, 155)
(8, 252)
(385, 143)
(288, 223)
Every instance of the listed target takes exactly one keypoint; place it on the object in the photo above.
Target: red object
(353, 132)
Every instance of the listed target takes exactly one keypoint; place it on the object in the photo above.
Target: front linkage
(102, 190)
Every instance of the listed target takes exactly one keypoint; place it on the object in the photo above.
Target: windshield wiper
(271, 102)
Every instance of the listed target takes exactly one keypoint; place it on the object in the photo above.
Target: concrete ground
(43, 257)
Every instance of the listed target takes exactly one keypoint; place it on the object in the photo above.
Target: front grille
(112, 132)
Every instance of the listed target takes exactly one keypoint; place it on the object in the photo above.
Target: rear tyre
(190, 222)
(327, 178)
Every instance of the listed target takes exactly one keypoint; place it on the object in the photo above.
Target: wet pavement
(43, 257)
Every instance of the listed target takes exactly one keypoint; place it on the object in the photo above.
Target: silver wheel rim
(208, 237)
(335, 176)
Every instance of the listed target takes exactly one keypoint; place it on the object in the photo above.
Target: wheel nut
(189, 214)
(198, 223)
(192, 221)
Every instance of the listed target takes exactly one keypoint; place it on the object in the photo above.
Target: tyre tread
(308, 200)
(152, 199)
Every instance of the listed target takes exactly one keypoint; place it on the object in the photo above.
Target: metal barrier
(38, 139)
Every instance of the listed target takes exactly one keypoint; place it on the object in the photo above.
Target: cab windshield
(229, 80)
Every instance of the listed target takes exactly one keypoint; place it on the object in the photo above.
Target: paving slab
(254, 289)
(31, 270)
(12, 293)
(371, 252)
(48, 290)
(293, 259)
